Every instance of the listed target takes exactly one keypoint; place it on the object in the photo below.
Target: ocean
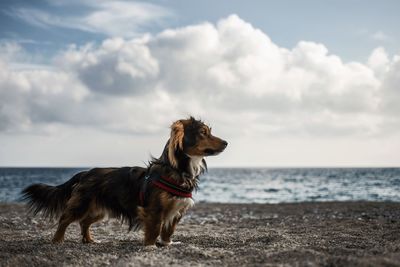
(248, 185)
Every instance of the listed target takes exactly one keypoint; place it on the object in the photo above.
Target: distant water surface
(249, 185)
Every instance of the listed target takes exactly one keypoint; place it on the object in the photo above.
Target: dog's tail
(47, 199)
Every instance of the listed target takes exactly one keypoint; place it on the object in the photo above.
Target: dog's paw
(150, 247)
(89, 241)
(57, 241)
(163, 243)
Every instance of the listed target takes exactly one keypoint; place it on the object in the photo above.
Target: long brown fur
(90, 195)
(176, 141)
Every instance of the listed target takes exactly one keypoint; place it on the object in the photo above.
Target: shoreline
(302, 234)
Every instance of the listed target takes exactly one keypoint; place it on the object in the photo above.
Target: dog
(153, 199)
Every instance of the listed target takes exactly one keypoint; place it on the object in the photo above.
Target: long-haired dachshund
(153, 198)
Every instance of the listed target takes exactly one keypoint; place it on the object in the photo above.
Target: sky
(287, 83)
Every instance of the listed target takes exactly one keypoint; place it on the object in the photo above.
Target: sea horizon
(213, 167)
(247, 184)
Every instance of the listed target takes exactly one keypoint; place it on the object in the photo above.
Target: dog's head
(193, 138)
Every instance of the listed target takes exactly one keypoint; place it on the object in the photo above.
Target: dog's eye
(203, 132)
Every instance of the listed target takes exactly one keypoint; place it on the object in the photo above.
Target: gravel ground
(303, 234)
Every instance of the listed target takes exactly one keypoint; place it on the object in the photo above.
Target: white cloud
(31, 98)
(113, 18)
(229, 73)
(391, 91)
(380, 36)
(117, 67)
(379, 61)
(10, 50)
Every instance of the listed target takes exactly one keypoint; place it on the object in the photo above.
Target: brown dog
(154, 198)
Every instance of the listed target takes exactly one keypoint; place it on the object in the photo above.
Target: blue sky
(350, 28)
(287, 83)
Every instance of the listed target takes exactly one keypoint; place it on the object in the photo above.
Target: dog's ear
(175, 142)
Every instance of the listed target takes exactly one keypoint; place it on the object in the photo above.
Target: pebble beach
(212, 234)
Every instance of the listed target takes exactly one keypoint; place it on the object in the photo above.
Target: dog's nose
(224, 143)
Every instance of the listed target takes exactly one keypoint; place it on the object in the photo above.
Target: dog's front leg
(168, 230)
(152, 228)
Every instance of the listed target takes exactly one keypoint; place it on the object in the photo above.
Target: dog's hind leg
(75, 210)
(65, 220)
(85, 226)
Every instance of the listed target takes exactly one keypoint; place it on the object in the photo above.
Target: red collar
(172, 187)
(164, 183)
